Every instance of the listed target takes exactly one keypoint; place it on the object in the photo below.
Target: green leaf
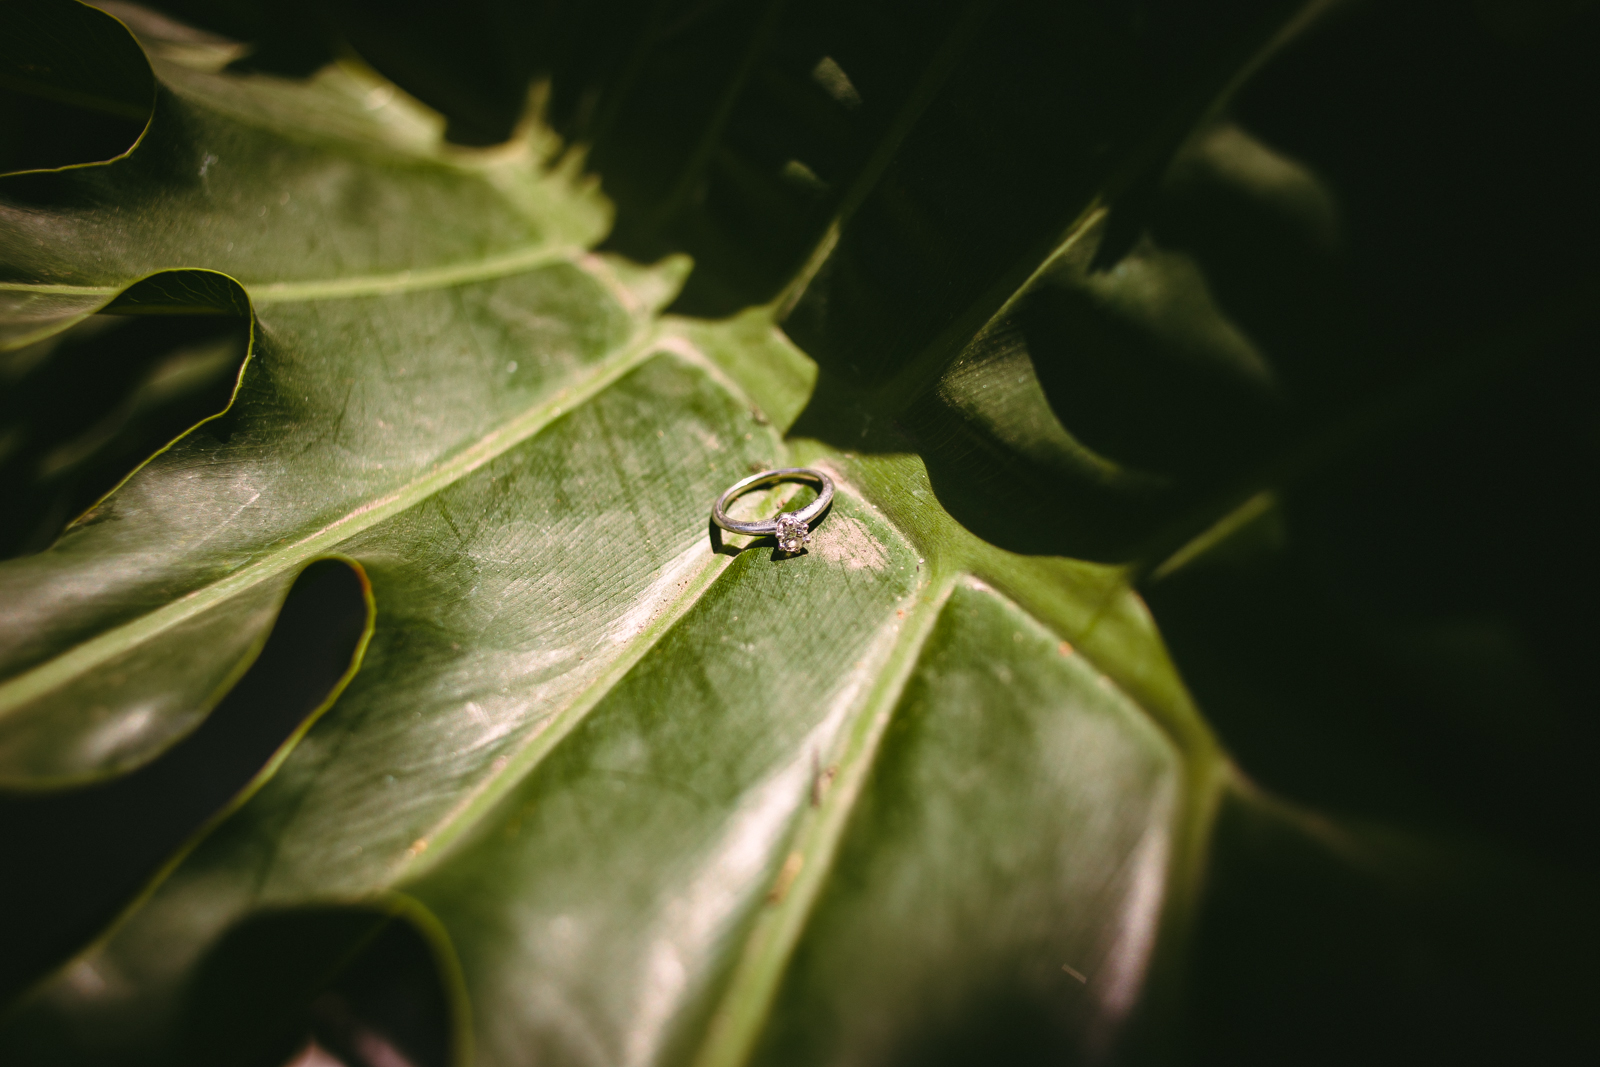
(651, 747)
(642, 792)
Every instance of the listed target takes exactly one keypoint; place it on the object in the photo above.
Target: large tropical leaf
(932, 790)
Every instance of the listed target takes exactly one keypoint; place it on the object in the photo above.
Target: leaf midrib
(580, 387)
(516, 261)
(462, 816)
(764, 951)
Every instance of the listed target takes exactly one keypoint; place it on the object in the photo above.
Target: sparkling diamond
(792, 533)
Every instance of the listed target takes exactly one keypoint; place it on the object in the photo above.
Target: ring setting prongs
(792, 533)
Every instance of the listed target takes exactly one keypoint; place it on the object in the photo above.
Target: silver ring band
(803, 517)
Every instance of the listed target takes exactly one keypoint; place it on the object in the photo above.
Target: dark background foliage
(1399, 641)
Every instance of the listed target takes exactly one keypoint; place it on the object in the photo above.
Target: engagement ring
(791, 528)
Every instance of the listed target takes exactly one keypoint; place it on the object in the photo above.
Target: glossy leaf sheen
(650, 800)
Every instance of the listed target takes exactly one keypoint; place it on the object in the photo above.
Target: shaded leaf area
(81, 409)
(1402, 635)
(363, 981)
(1422, 948)
(600, 763)
(1447, 684)
(88, 852)
(1363, 646)
(1300, 269)
(1402, 624)
(69, 92)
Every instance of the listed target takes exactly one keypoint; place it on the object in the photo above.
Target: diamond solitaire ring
(791, 528)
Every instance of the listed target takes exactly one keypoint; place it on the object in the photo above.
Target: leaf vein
(737, 1021)
(17, 691)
